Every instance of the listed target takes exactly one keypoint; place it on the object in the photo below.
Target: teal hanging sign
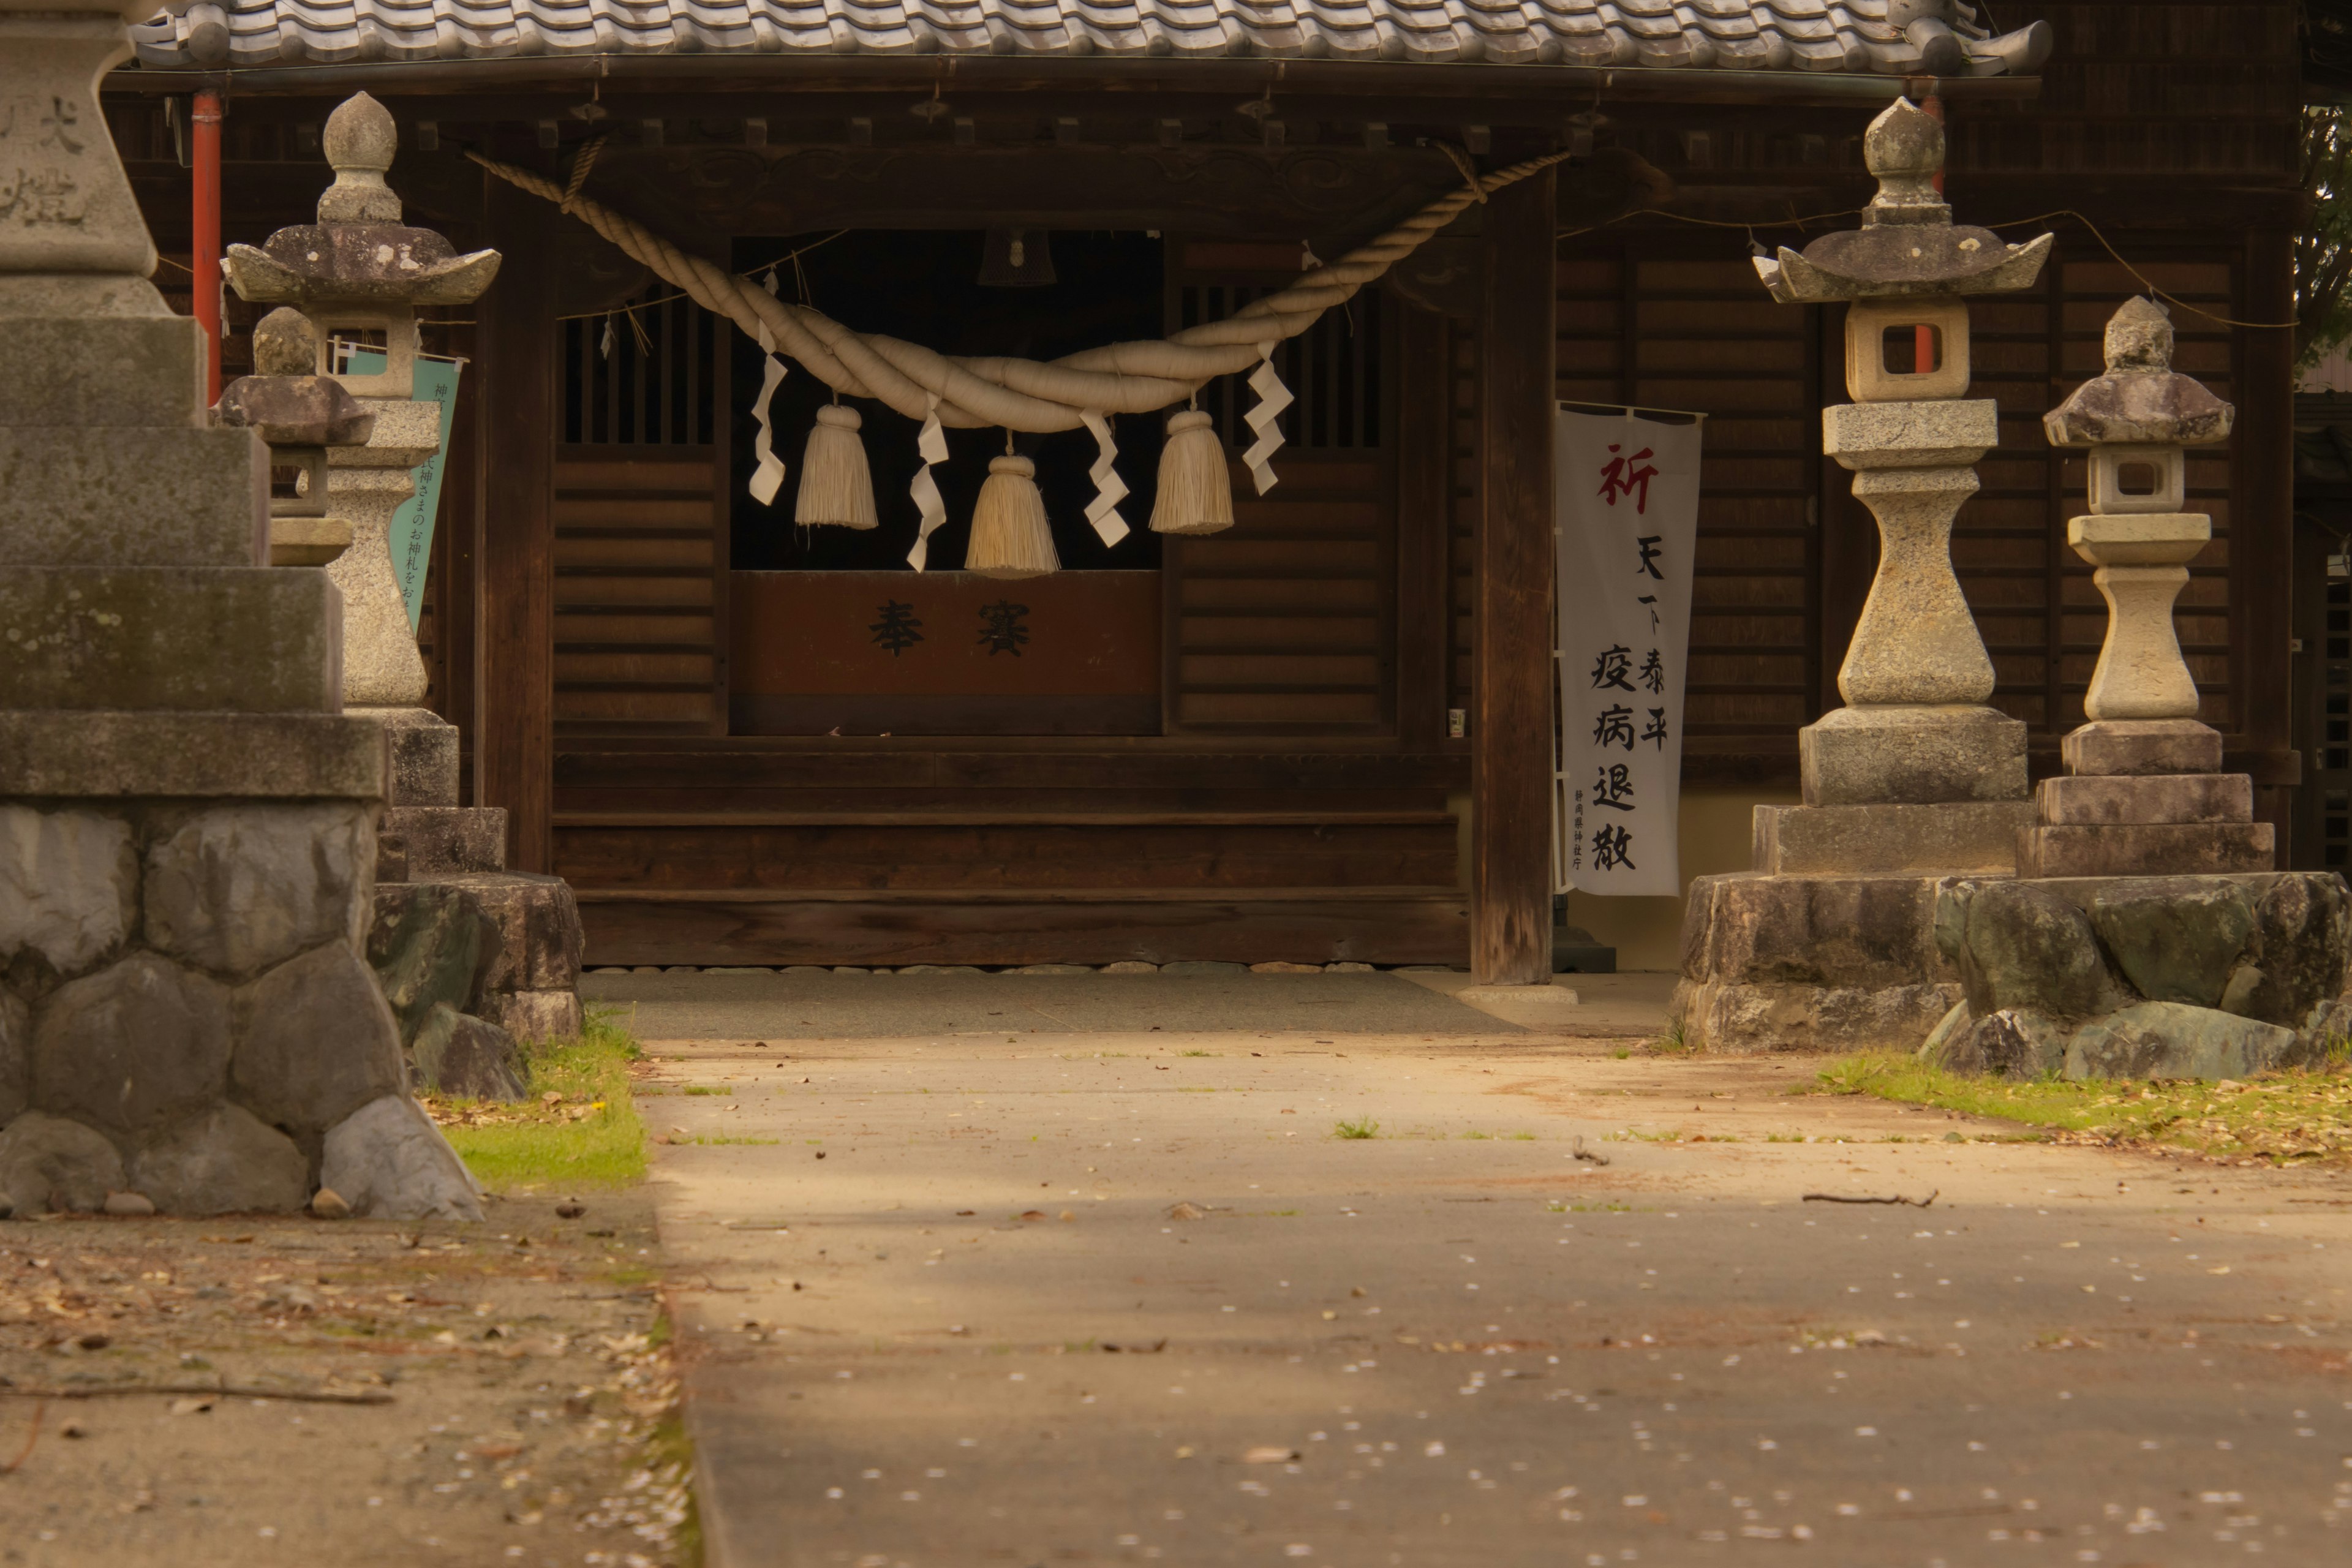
(412, 523)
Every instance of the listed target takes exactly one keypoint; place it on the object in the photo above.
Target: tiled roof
(1875, 36)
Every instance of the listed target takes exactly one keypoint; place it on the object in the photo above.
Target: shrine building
(1322, 733)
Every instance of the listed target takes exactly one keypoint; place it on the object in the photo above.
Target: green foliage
(2323, 249)
(1364, 1127)
(536, 1145)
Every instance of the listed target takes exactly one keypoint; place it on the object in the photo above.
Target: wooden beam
(1510, 941)
(2261, 523)
(514, 529)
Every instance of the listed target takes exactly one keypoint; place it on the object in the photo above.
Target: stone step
(2148, 850)
(2114, 801)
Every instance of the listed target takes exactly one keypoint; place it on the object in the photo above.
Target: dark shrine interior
(923, 286)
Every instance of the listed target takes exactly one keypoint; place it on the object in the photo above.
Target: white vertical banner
(1627, 524)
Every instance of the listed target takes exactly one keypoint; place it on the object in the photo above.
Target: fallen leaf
(191, 1406)
(1188, 1211)
(1267, 1454)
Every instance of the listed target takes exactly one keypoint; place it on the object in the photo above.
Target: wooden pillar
(2261, 531)
(514, 527)
(1510, 732)
(1424, 442)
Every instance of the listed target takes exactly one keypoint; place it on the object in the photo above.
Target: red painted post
(205, 246)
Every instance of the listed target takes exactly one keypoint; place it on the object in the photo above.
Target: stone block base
(1911, 756)
(1975, 836)
(2148, 850)
(536, 1015)
(424, 754)
(449, 840)
(2130, 746)
(502, 948)
(2128, 800)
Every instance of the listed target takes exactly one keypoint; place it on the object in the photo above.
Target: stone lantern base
(496, 951)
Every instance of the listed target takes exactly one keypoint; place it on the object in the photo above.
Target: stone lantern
(300, 415)
(2144, 793)
(359, 274)
(1916, 773)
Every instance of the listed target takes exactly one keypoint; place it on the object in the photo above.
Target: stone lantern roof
(283, 400)
(359, 250)
(1907, 243)
(2142, 399)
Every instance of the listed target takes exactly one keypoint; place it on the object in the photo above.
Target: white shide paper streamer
(1266, 418)
(769, 477)
(1109, 488)
(933, 446)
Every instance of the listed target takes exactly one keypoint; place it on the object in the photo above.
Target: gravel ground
(247, 1391)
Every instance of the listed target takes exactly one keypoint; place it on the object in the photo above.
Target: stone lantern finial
(360, 143)
(1905, 149)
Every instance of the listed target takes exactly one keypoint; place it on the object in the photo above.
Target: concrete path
(1114, 1294)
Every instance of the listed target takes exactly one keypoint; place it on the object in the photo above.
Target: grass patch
(589, 1136)
(2295, 1115)
(1196, 1053)
(1671, 1043)
(705, 1089)
(714, 1140)
(1364, 1127)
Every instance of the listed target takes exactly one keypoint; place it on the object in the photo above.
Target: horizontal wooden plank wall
(1286, 623)
(638, 569)
(1659, 323)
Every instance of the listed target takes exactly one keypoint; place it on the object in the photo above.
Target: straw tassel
(1009, 534)
(1196, 490)
(837, 487)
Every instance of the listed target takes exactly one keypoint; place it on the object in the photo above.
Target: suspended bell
(1196, 488)
(836, 486)
(1009, 534)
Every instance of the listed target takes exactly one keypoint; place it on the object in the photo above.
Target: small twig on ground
(31, 1437)
(1897, 1198)
(1581, 1153)
(215, 1390)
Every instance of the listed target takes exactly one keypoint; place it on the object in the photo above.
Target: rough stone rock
(535, 1015)
(15, 1057)
(1747, 1017)
(2303, 928)
(1136, 966)
(1847, 932)
(538, 946)
(388, 1161)
(128, 1206)
(2171, 1039)
(68, 883)
(240, 888)
(2015, 1042)
(2175, 938)
(458, 1055)
(1953, 1025)
(132, 1047)
(2017, 946)
(222, 1161)
(315, 1041)
(50, 1164)
(328, 1203)
(428, 946)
